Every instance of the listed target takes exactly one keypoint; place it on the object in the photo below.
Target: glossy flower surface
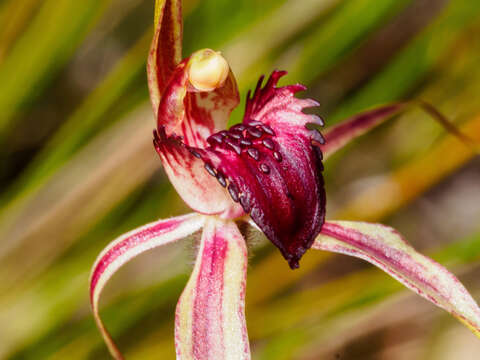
(266, 172)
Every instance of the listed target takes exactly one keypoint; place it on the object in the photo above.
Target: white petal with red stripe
(129, 245)
(210, 316)
(384, 247)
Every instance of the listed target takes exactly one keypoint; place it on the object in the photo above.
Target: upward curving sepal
(210, 315)
(125, 248)
(384, 247)
(205, 108)
(166, 49)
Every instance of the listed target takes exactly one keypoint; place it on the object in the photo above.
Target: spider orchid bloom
(266, 171)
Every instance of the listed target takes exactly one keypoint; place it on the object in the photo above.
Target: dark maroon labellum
(254, 123)
(215, 139)
(235, 135)
(196, 154)
(271, 165)
(238, 127)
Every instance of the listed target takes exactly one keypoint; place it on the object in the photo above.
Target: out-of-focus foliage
(77, 169)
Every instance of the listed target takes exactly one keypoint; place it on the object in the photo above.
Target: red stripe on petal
(208, 112)
(207, 309)
(210, 316)
(128, 242)
(125, 248)
(384, 247)
(166, 49)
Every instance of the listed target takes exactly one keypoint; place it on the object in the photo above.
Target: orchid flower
(266, 172)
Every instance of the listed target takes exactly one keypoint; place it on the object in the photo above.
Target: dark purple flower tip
(273, 167)
(269, 166)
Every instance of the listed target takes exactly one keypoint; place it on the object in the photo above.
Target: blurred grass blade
(84, 123)
(352, 21)
(407, 182)
(414, 62)
(111, 153)
(13, 17)
(273, 31)
(49, 41)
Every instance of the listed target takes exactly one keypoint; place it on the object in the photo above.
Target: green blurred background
(77, 169)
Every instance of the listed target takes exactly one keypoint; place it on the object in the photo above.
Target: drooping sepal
(384, 247)
(125, 248)
(210, 315)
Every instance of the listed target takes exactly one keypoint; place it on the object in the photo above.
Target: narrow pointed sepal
(339, 135)
(210, 316)
(166, 49)
(384, 247)
(125, 248)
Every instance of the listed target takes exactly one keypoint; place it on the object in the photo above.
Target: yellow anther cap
(207, 70)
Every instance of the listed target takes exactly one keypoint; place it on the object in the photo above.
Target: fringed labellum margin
(270, 164)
